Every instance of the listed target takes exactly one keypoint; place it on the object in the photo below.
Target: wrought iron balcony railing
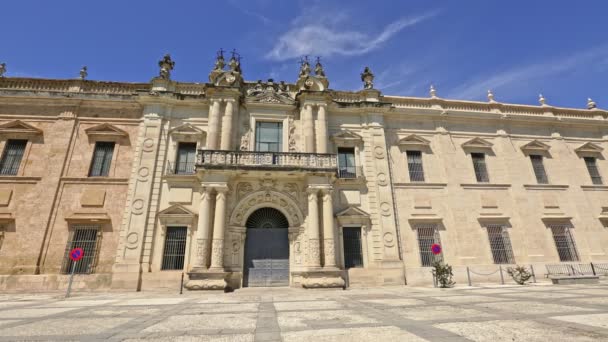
(325, 162)
(180, 168)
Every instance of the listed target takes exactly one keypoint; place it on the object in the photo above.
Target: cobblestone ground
(508, 313)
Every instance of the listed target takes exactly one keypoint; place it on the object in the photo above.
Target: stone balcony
(275, 161)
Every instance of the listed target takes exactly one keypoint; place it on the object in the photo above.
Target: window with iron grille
(346, 162)
(414, 166)
(500, 244)
(594, 172)
(186, 157)
(539, 169)
(102, 158)
(479, 165)
(11, 157)
(564, 242)
(175, 248)
(353, 257)
(428, 234)
(85, 237)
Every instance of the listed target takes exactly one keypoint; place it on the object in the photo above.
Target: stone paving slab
(307, 305)
(439, 312)
(352, 335)
(531, 307)
(200, 322)
(595, 320)
(28, 313)
(65, 326)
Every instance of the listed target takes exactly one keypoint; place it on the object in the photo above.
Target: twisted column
(329, 231)
(202, 230)
(313, 228)
(217, 248)
(214, 125)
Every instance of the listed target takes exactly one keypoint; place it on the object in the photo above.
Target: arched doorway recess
(266, 249)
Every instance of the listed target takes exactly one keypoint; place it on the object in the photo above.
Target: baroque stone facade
(363, 182)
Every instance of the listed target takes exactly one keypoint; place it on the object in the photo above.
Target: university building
(272, 183)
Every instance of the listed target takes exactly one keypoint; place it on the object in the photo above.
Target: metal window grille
(102, 158)
(564, 242)
(353, 257)
(186, 158)
(346, 163)
(539, 169)
(85, 237)
(175, 248)
(594, 172)
(479, 165)
(414, 165)
(11, 158)
(428, 234)
(500, 244)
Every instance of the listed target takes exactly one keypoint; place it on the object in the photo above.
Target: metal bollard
(533, 275)
(469, 276)
(181, 286)
(593, 269)
(502, 279)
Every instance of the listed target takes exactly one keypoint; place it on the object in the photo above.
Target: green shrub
(443, 274)
(520, 274)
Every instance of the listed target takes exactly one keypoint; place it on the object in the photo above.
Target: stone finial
(282, 87)
(319, 68)
(367, 76)
(591, 104)
(219, 61)
(83, 73)
(433, 92)
(166, 65)
(304, 67)
(491, 96)
(542, 100)
(2, 69)
(235, 62)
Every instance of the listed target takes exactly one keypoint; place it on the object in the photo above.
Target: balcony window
(175, 248)
(186, 157)
(269, 136)
(346, 163)
(102, 158)
(11, 158)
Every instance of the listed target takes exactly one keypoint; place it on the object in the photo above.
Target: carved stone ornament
(269, 93)
(83, 73)
(242, 189)
(292, 135)
(166, 65)
(271, 198)
(368, 78)
(319, 68)
(591, 104)
(245, 140)
(228, 78)
(2, 69)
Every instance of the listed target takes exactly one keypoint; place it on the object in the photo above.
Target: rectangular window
(346, 163)
(479, 165)
(186, 157)
(85, 237)
(428, 234)
(414, 165)
(11, 157)
(102, 158)
(500, 244)
(564, 242)
(353, 257)
(594, 172)
(268, 136)
(175, 248)
(539, 169)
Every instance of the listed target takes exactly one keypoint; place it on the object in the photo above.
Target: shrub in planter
(520, 274)
(443, 274)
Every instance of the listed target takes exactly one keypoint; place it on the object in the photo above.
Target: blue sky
(516, 48)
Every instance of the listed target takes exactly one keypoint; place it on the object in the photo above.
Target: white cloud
(516, 79)
(241, 8)
(314, 34)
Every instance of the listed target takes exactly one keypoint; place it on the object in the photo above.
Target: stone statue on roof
(319, 68)
(368, 78)
(304, 67)
(166, 65)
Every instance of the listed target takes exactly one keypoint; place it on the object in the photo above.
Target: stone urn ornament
(368, 78)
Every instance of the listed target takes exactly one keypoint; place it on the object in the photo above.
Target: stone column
(214, 123)
(322, 130)
(202, 230)
(329, 231)
(313, 228)
(309, 132)
(226, 142)
(217, 249)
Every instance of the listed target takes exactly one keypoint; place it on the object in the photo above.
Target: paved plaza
(504, 313)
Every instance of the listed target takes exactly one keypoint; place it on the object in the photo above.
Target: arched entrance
(266, 249)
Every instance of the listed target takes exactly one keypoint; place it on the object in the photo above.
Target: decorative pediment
(346, 135)
(187, 129)
(414, 140)
(19, 127)
(176, 210)
(352, 212)
(106, 130)
(477, 143)
(269, 93)
(535, 145)
(589, 148)
(354, 216)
